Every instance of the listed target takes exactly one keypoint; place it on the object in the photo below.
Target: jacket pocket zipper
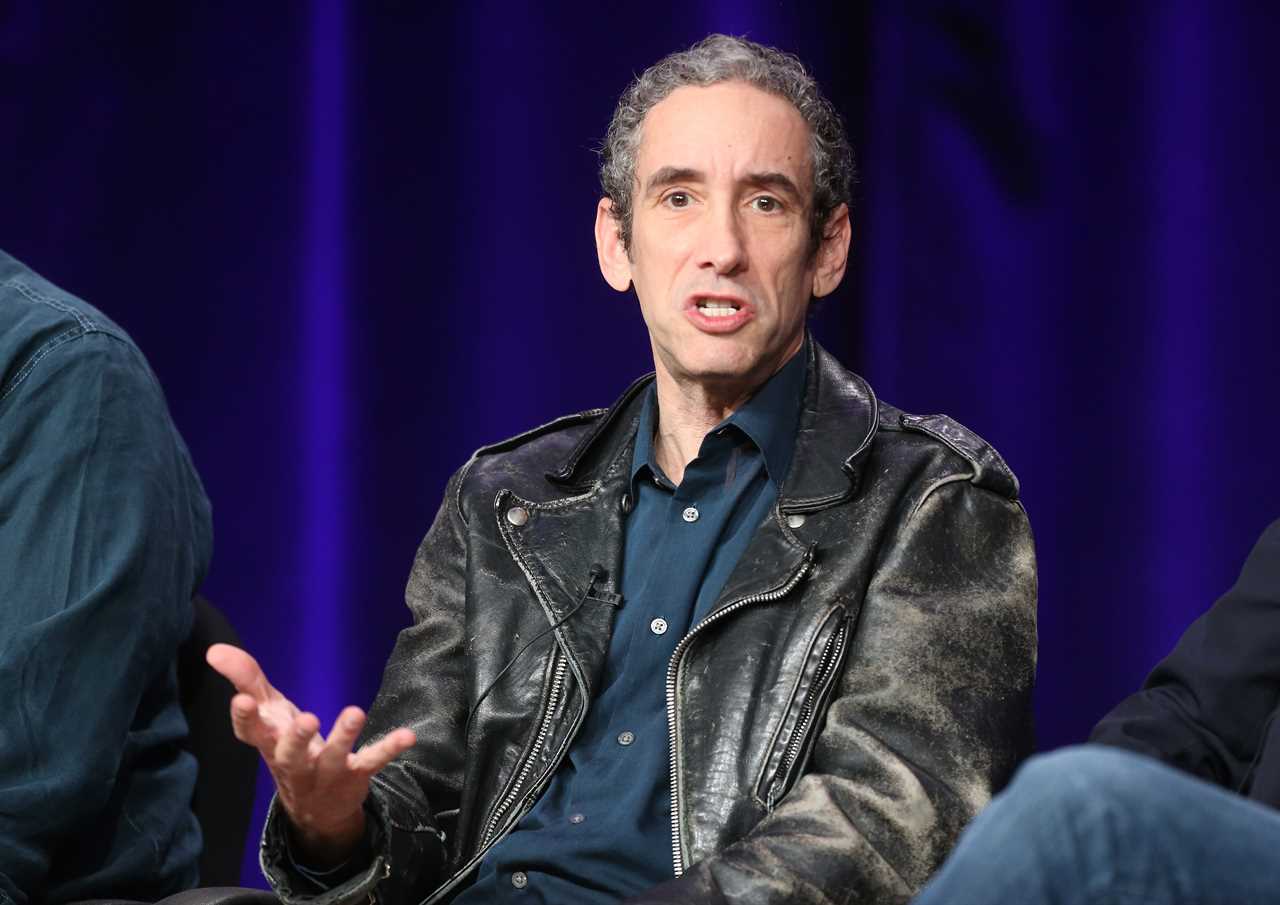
(831, 657)
(673, 671)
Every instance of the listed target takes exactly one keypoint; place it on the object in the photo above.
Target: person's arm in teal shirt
(104, 537)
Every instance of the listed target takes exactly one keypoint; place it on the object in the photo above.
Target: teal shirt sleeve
(105, 535)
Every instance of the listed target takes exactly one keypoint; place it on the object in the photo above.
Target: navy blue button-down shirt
(602, 831)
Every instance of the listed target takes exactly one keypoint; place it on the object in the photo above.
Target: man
(748, 631)
(104, 537)
(1178, 801)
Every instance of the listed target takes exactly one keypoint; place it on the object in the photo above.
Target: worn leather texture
(860, 689)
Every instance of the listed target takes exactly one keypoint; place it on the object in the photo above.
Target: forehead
(731, 128)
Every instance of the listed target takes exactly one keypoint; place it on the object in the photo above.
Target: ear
(615, 265)
(833, 253)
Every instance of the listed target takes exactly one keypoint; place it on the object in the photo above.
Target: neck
(687, 411)
(686, 414)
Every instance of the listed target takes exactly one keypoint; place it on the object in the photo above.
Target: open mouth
(717, 307)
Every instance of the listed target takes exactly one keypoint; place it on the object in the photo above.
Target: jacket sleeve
(1204, 708)
(932, 712)
(104, 537)
(424, 689)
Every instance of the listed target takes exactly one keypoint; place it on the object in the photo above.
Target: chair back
(228, 769)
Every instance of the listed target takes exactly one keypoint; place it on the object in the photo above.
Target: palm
(321, 782)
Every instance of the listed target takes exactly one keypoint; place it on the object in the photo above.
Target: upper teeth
(716, 308)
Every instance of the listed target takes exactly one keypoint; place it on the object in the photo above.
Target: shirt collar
(770, 419)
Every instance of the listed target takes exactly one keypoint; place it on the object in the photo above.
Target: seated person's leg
(1095, 825)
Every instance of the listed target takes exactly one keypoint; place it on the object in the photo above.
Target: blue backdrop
(354, 240)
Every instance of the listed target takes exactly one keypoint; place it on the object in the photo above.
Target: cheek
(789, 280)
(657, 267)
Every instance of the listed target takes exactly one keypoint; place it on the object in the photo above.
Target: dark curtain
(355, 242)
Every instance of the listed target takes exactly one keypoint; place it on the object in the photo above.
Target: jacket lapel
(837, 422)
(564, 538)
(570, 549)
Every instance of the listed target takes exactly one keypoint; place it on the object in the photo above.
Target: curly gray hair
(723, 58)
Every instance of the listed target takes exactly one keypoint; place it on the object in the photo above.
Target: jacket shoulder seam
(48, 347)
(987, 467)
(457, 490)
(84, 320)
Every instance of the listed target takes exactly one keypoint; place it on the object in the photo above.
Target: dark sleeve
(104, 537)
(1204, 708)
(930, 717)
(423, 688)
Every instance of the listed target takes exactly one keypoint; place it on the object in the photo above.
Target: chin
(721, 366)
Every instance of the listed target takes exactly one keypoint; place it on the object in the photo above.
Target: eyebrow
(666, 176)
(778, 182)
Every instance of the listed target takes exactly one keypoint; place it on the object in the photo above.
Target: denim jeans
(1106, 827)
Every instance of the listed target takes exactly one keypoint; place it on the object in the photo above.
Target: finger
(333, 756)
(248, 724)
(294, 745)
(376, 755)
(240, 669)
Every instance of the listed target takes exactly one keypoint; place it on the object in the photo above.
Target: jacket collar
(837, 421)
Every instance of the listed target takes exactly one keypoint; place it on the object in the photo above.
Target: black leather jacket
(860, 688)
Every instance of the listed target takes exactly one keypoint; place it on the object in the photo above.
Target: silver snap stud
(626, 504)
(795, 520)
(690, 514)
(658, 626)
(626, 738)
(519, 879)
(517, 515)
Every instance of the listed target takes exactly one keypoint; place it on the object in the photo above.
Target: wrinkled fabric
(104, 537)
(859, 689)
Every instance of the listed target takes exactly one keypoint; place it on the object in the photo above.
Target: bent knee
(1084, 777)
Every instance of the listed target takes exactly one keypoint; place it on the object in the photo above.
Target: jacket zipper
(830, 657)
(560, 666)
(513, 791)
(673, 669)
(553, 699)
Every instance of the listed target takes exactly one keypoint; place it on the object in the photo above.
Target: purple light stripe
(1177, 365)
(324, 455)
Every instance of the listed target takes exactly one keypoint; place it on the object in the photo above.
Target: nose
(723, 249)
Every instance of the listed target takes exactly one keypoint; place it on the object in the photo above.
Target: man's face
(719, 252)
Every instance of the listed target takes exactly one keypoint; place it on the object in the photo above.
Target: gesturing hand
(320, 782)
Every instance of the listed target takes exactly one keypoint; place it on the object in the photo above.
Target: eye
(677, 199)
(766, 204)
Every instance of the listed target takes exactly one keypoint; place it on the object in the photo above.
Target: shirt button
(576, 818)
(626, 738)
(658, 626)
(519, 879)
(690, 514)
